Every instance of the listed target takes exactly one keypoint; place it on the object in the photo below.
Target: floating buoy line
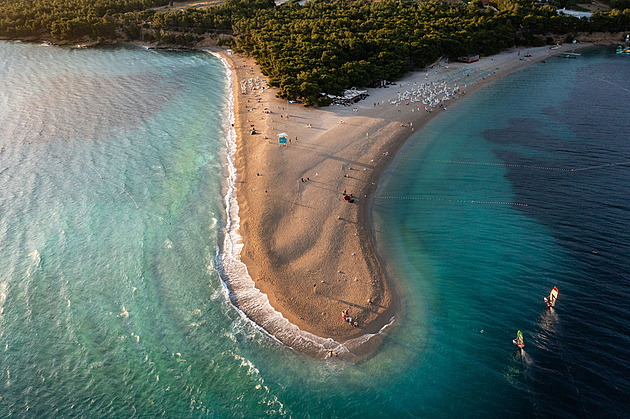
(122, 188)
(126, 192)
(455, 201)
(464, 162)
(475, 163)
(601, 166)
(103, 178)
(614, 84)
(116, 185)
(522, 166)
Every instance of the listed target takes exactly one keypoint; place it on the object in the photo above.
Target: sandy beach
(303, 205)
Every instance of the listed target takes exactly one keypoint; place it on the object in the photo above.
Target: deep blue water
(113, 168)
(545, 156)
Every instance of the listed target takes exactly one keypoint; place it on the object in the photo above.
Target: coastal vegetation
(329, 46)
(69, 19)
(323, 46)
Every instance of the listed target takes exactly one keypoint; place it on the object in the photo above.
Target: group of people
(346, 318)
(253, 84)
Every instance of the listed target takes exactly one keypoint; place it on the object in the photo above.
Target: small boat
(553, 297)
(519, 340)
(623, 50)
(468, 59)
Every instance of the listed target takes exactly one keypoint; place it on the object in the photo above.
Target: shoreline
(241, 289)
(306, 255)
(294, 253)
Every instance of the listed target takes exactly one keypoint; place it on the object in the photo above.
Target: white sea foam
(124, 312)
(36, 261)
(239, 287)
(3, 297)
(272, 401)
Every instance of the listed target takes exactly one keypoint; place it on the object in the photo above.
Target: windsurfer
(518, 341)
(553, 297)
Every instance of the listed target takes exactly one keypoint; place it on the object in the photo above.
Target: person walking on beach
(314, 288)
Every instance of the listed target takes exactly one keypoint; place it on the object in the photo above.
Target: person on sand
(314, 288)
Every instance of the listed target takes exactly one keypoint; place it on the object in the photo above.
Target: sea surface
(514, 190)
(114, 185)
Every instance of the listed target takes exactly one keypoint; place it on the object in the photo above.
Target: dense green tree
(324, 46)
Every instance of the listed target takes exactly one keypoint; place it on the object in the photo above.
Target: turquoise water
(481, 216)
(113, 178)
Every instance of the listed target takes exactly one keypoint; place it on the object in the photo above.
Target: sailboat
(519, 340)
(553, 297)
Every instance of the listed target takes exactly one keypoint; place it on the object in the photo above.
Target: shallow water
(110, 303)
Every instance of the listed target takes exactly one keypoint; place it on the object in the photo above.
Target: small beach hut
(468, 59)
